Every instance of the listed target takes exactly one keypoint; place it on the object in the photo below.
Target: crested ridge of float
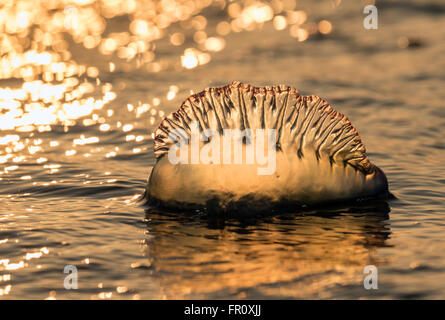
(303, 123)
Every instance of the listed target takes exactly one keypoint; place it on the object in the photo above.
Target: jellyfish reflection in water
(303, 254)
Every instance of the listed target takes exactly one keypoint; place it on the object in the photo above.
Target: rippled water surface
(84, 85)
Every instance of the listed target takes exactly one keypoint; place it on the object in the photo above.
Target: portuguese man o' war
(260, 147)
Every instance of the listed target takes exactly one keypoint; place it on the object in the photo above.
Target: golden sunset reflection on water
(50, 90)
(84, 85)
(51, 87)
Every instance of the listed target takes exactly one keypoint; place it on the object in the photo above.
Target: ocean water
(76, 149)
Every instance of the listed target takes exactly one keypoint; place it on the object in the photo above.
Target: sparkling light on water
(59, 107)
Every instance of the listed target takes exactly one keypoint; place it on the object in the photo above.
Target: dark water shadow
(214, 219)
